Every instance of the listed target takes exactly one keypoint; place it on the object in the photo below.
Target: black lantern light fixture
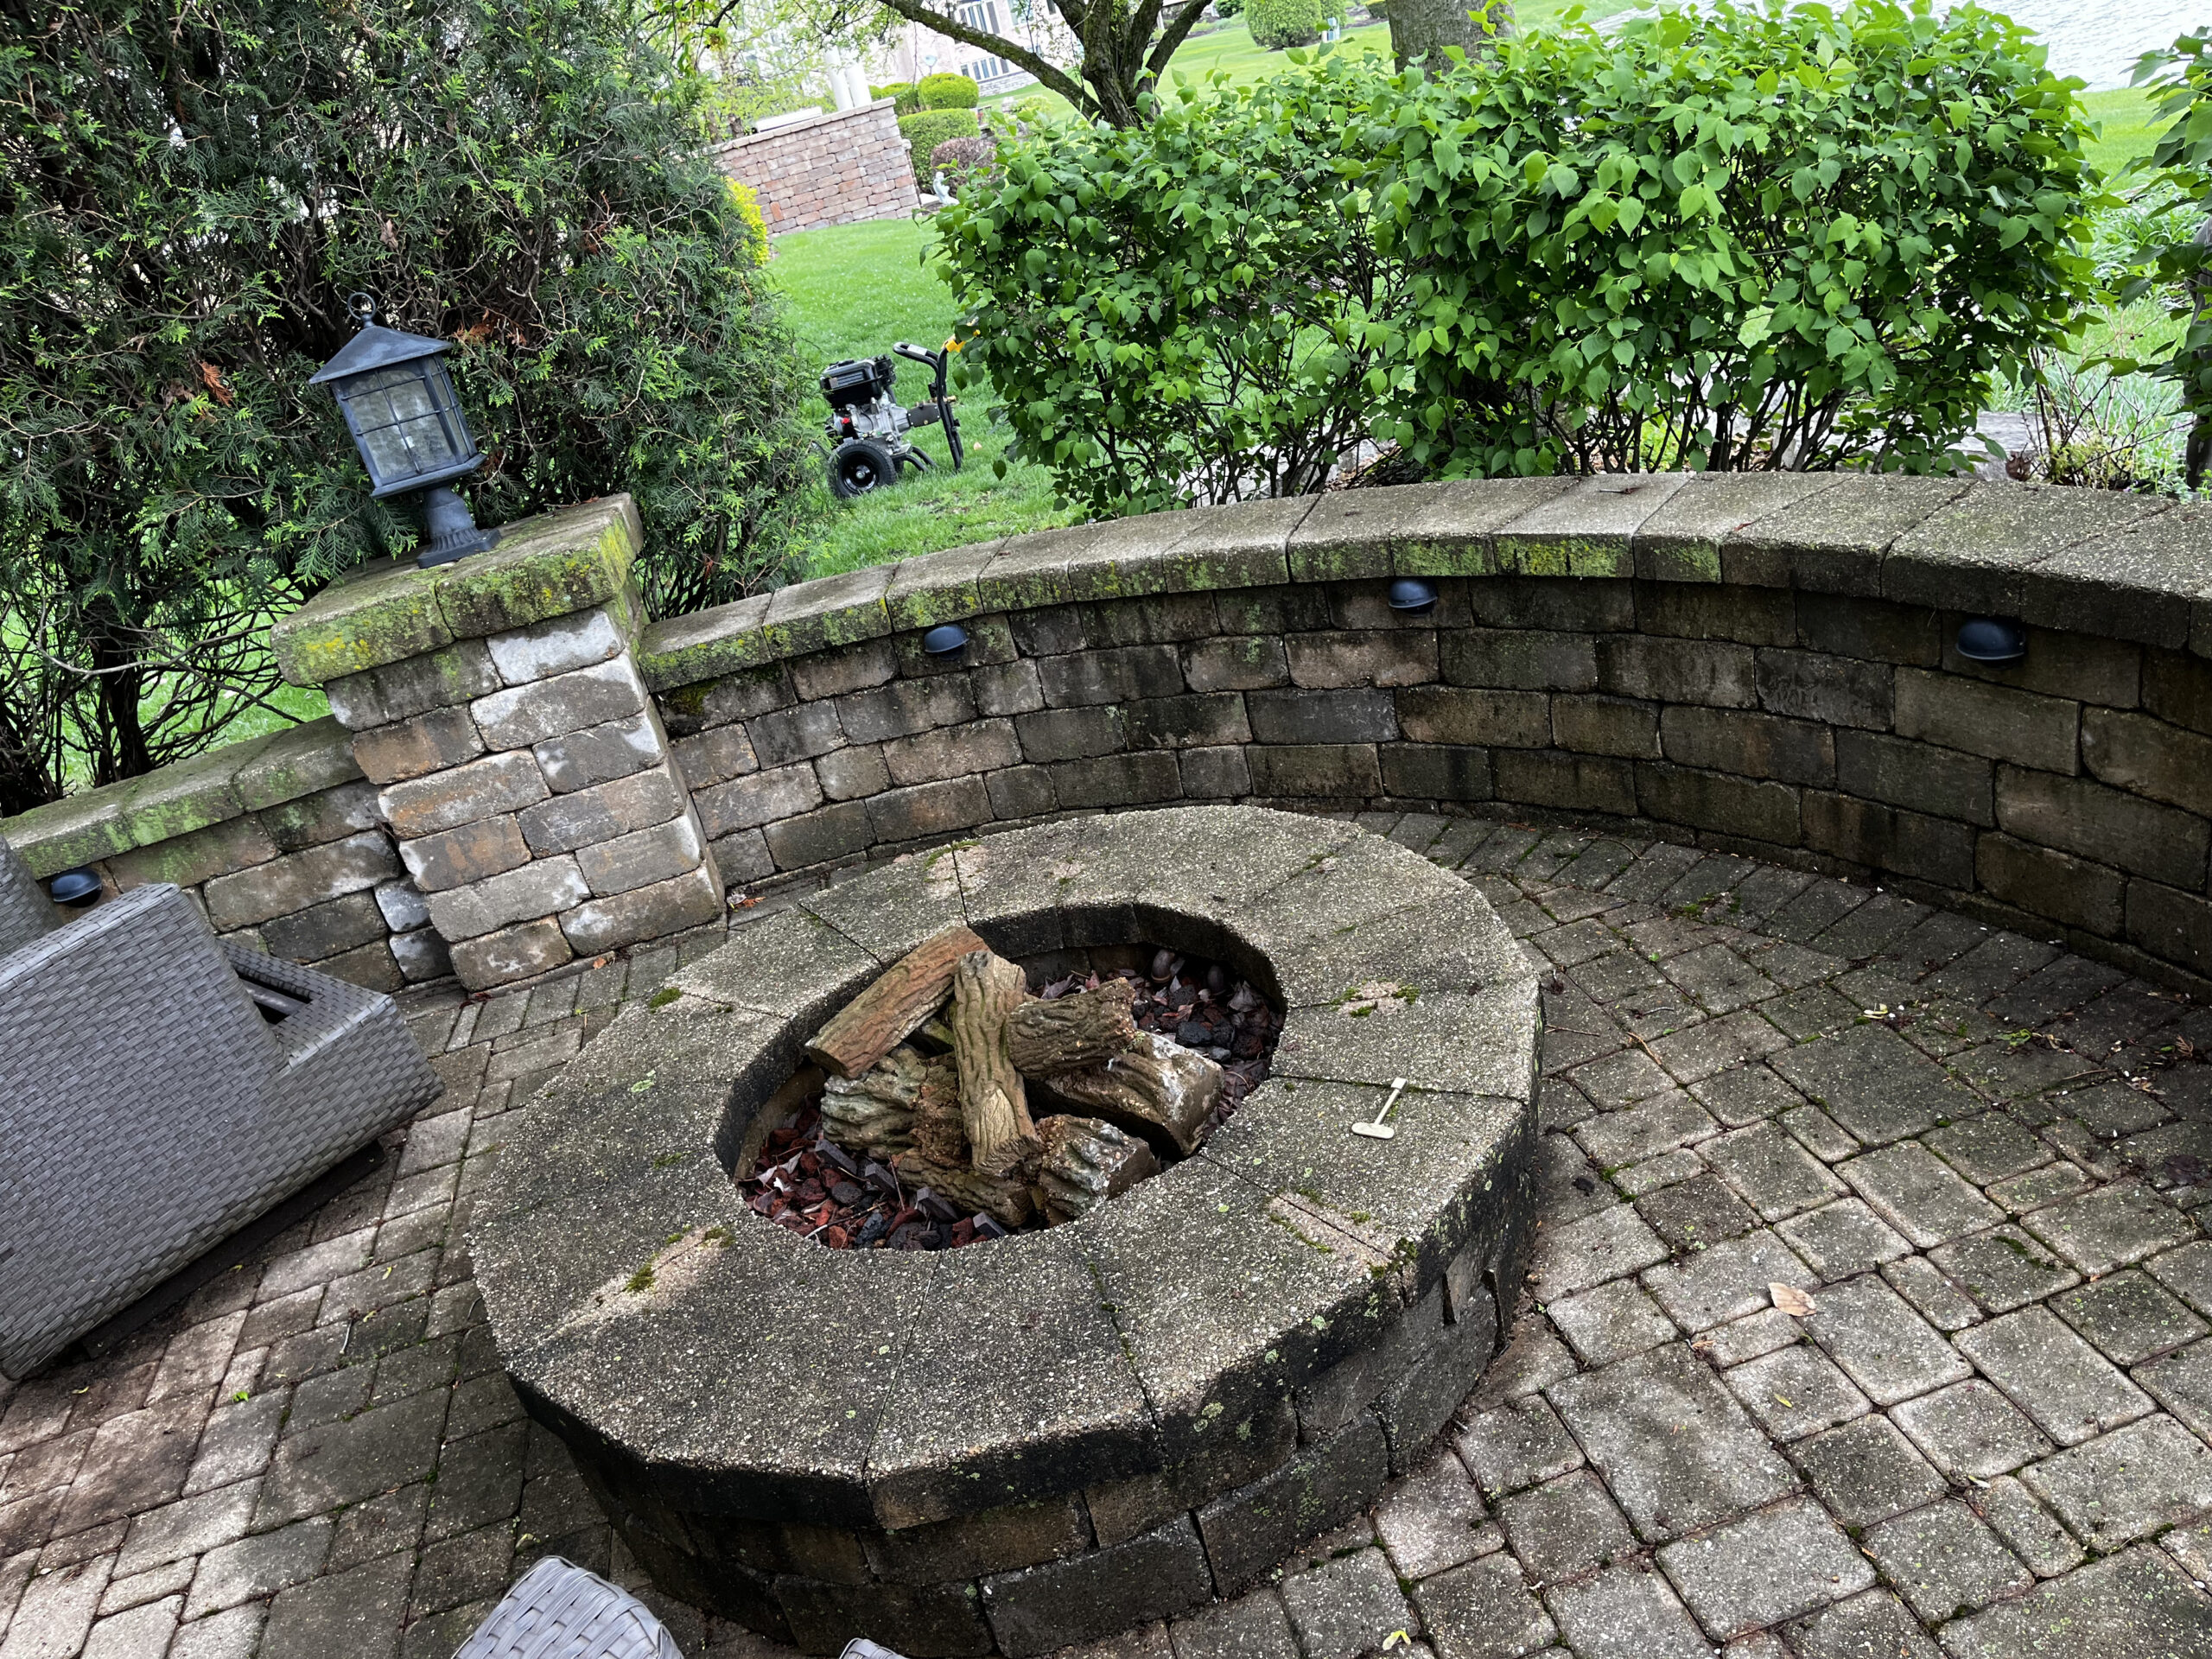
(946, 639)
(1413, 594)
(1992, 639)
(399, 404)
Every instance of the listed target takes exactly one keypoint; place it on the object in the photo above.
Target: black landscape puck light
(1413, 594)
(78, 889)
(1992, 639)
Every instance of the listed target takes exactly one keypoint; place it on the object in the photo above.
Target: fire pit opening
(1107, 1065)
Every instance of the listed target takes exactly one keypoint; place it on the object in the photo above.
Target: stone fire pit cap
(658, 1324)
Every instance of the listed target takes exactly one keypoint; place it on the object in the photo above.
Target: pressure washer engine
(868, 429)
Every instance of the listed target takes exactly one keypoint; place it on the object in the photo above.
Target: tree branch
(916, 12)
(1138, 26)
(1178, 27)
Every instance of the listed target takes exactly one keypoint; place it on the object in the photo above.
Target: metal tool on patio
(1380, 1129)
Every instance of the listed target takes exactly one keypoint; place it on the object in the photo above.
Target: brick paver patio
(1986, 1161)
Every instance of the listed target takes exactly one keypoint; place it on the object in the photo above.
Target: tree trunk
(987, 989)
(1007, 1198)
(891, 1010)
(1070, 1032)
(1085, 1162)
(1422, 29)
(1165, 1095)
(120, 689)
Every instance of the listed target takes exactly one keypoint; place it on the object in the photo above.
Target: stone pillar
(497, 705)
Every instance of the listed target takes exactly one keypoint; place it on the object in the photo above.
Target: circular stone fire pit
(1048, 1438)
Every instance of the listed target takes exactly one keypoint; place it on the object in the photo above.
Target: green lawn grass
(288, 706)
(2127, 126)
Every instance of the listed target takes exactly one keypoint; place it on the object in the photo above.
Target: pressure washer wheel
(858, 466)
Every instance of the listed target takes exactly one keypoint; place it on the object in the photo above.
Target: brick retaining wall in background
(835, 170)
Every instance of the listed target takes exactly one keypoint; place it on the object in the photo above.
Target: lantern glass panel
(406, 421)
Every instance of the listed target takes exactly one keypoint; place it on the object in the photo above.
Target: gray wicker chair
(159, 1089)
(25, 911)
(558, 1611)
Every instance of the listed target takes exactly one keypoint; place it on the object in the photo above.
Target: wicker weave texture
(148, 1110)
(25, 911)
(558, 1611)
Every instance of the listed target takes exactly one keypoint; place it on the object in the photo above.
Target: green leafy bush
(906, 99)
(1227, 9)
(1189, 309)
(1733, 239)
(2181, 262)
(1278, 24)
(926, 130)
(1742, 240)
(948, 91)
(195, 192)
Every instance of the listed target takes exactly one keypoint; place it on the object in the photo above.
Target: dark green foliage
(906, 99)
(1278, 24)
(2182, 266)
(1185, 309)
(1739, 240)
(926, 130)
(1227, 9)
(947, 90)
(193, 191)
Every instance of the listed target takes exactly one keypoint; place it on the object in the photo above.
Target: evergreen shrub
(930, 128)
(948, 91)
(196, 191)
(1276, 24)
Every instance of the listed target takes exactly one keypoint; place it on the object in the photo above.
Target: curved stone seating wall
(1747, 662)
(1050, 1438)
(1760, 663)
(278, 842)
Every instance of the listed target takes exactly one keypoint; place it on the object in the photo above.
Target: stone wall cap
(827, 117)
(558, 562)
(207, 789)
(2135, 567)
